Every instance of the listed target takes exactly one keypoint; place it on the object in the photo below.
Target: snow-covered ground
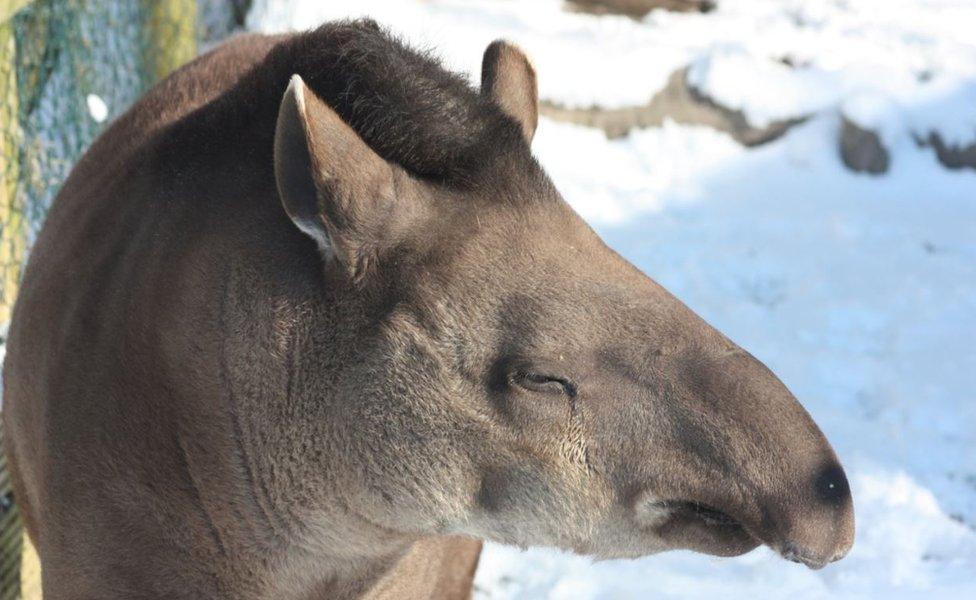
(913, 61)
(859, 291)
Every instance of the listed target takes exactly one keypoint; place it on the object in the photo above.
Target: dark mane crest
(402, 102)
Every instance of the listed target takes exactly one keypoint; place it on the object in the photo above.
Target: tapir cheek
(542, 420)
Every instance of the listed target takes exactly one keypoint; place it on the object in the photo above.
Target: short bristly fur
(309, 320)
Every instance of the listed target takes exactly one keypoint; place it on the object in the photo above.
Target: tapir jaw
(694, 526)
(814, 532)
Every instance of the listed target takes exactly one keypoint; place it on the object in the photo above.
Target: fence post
(11, 253)
(13, 224)
(20, 572)
(11, 535)
(30, 572)
(172, 36)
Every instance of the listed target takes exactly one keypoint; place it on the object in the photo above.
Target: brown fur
(316, 347)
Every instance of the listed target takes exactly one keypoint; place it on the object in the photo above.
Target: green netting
(67, 68)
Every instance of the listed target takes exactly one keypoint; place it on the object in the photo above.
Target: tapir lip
(713, 531)
(703, 528)
(707, 514)
(797, 554)
(793, 553)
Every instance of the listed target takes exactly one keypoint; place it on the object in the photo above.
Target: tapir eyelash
(540, 382)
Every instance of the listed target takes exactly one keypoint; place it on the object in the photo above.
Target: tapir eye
(540, 382)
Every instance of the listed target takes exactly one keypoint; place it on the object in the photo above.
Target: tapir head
(505, 374)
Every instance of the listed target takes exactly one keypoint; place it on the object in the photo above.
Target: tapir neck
(441, 568)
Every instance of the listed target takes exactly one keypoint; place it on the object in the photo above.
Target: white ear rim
(321, 240)
(296, 93)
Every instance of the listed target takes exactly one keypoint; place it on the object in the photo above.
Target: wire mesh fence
(67, 68)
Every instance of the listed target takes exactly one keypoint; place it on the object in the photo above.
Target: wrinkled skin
(643, 406)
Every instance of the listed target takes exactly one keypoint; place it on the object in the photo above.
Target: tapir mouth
(706, 514)
(794, 554)
(702, 528)
(706, 529)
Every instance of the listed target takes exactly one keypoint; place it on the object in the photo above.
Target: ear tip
(296, 91)
(296, 83)
(502, 45)
(497, 44)
(505, 50)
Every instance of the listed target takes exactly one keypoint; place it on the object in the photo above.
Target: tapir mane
(402, 101)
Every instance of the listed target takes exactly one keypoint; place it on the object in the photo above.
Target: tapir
(310, 321)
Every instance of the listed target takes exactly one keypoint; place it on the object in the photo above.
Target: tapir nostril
(831, 485)
(820, 527)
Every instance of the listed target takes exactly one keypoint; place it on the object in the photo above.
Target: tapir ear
(333, 186)
(508, 78)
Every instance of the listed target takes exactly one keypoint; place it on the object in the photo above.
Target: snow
(919, 54)
(580, 60)
(742, 81)
(860, 292)
(96, 108)
(875, 112)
